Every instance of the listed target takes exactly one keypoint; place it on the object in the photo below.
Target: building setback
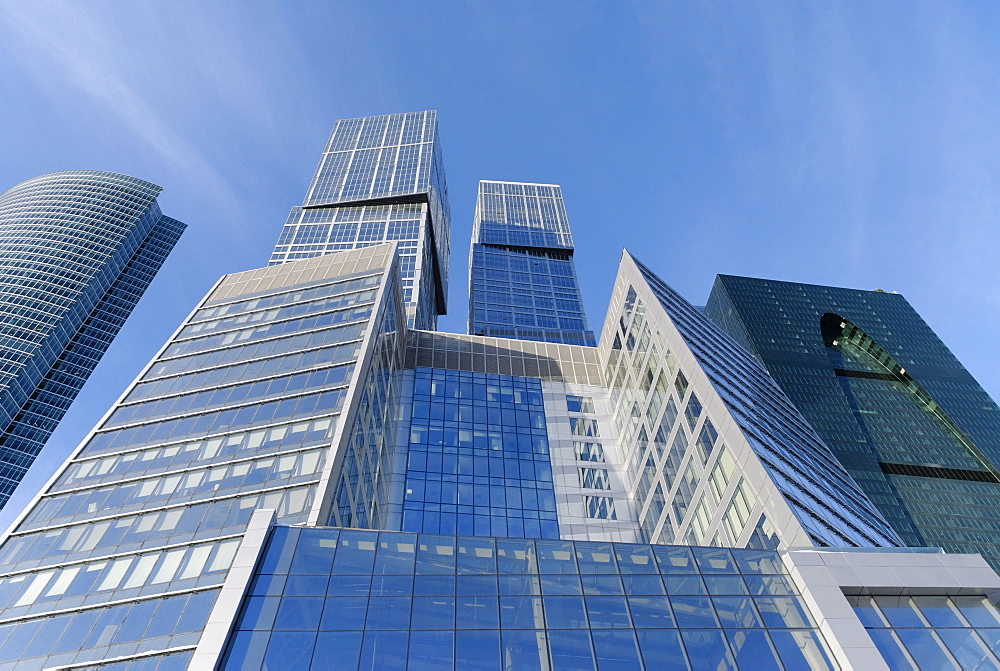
(381, 178)
(77, 251)
(300, 480)
(522, 280)
(900, 412)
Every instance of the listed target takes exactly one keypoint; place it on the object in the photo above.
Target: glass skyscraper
(522, 281)
(77, 251)
(300, 480)
(900, 412)
(381, 178)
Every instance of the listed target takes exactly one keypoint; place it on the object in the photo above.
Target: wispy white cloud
(71, 45)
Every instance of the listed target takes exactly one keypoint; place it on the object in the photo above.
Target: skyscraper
(522, 281)
(908, 422)
(77, 251)
(381, 178)
(299, 480)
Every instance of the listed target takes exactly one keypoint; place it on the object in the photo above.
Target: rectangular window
(600, 507)
(584, 427)
(594, 478)
(580, 403)
(589, 451)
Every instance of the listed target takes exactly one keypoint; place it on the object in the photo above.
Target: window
(580, 403)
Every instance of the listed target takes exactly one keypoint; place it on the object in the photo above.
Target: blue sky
(853, 144)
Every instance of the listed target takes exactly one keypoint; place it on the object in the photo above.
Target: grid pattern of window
(827, 503)
(380, 178)
(77, 251)
(152, 508)
(874, 420)
(522, 279)
(932, 632)
(362, 599)
(478, 457)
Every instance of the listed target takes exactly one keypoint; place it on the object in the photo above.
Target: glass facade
(358, 599)
(239, 411)
(688, 402)
(903, 416)
(478, 457)
(522, 281)
(380, 179)
(77, 251)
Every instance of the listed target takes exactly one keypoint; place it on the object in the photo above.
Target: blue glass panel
(643, 584)
(436, 554)
(477, 555)
(978, 611)
(595, 557)
(758, 561)
(382, 650)
(925, 647)
(968, 649)
(246, 650)
(782, 611)
(752, 649)
(519, 584)
(885, 640)
(345, 612)
(673, 559)
(521, 612)
(524, 650)
(650, 612)
(635, 558)
(714, 560)
(431, 651)
(601, 584)
(388, 612)
(349, 585)
(736, 611)
(556, 556)
(615, 650)
(661, 649)
(396, 554)
(433, 612)
(289, 650)
(561, 584)
(725, 584)
(299, 613)
(707, 650)
(684, 585)
(392, 585)
(477, 612)
(803, 648)
(258, 613)
(434, 585)
(477, 649)
(306, 585)
(571, 649)
(473, 585)
(355, 552)
(769, 585)
(693, 611)
(280, 547)
(565, 612)
(337, 649)
(607, 612)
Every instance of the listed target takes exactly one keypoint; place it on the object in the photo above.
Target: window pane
(477, 650)
(925, 647)
(798, 648)
(337, 649)
(662, 650)
(345, 612)
(693, 611)
(968, 649)
(525, 650)
(615, 650)
(607, 612)
(707, 650)
(433, 612)
(289, 650)
(431, 651)
(571, 649)
(752, 650)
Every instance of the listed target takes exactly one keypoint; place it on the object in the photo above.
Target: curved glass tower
(77, 251)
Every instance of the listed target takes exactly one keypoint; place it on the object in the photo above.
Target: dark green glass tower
(907, 420)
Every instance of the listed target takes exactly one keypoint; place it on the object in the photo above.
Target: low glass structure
(345, 598)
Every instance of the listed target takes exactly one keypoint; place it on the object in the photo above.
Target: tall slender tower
(381, 178)
(77, 251)
(905, 418)
(522, 281)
